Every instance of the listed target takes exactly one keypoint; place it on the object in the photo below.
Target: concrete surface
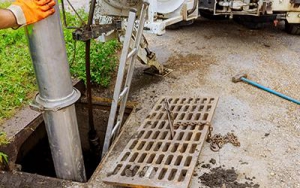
(204, 58)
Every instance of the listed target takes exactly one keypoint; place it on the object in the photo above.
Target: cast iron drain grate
(152, 158)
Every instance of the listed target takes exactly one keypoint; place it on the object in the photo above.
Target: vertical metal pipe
(56, 96)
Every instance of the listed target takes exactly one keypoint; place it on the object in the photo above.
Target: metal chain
(218, 141)
(185, 124)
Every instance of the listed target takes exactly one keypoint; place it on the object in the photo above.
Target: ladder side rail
(113, 111)
(132, 64)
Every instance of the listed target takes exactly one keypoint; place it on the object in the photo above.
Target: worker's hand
(31, 11)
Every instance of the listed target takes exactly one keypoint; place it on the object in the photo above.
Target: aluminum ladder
(113, 126)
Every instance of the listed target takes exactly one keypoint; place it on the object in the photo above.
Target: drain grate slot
(153, 159)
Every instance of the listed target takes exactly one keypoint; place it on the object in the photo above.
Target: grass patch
(3, 156)
(17, 79)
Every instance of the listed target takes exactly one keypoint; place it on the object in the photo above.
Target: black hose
(93, 138)
(91, 14)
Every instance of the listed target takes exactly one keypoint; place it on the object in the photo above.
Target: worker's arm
(7, 19)
(24, 12)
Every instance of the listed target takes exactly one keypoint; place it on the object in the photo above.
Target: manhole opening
(34, 155)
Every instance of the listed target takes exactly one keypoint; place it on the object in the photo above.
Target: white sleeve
(19, 14)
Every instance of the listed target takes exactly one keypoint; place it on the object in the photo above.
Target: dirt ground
(204, 58)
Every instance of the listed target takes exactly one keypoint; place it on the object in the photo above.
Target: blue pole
(270, 90)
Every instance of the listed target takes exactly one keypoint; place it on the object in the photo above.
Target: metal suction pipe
(56, 96)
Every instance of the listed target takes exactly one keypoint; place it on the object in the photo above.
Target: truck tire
(293, 29)
(253, 25)
(254, 22)
(209, 15)
(180, 24)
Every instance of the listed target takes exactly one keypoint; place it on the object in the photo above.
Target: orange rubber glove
(31, 11)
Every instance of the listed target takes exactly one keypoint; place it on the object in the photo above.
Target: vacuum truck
(251, 13)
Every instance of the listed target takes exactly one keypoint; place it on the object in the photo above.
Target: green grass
(17, 80)
(3, 139)
(3, 156)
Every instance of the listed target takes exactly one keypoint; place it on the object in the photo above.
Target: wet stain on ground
(190, 62)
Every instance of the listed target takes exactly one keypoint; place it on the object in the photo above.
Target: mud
(225, 178)
(183, 63)
(205, 166)
(212, 161)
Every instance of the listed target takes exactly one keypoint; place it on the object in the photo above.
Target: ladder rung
(115, 128)
(123, 93)
(133, 52)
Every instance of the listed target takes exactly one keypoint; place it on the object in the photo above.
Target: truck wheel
(180, 24)
(210, 15)
(293, 29)
(254, 22)
(253, 25)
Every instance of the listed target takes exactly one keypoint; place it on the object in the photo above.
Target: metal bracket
(83, 34)
(42, 105)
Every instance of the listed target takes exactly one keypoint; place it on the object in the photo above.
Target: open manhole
(32, 156)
